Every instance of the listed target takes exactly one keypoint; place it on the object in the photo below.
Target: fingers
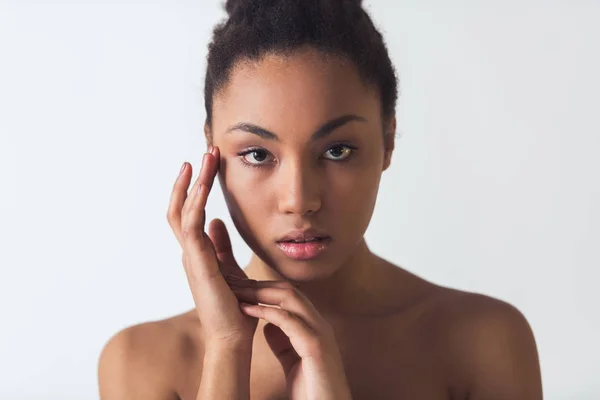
(178, 196)
(208, 170)
(180, 202)
(281, 347)
(305, 341)
(217, 231)
(197, 246)
(277, 339)
(219, 236)
(192, 222)
(205, 177)
(284, 306)
(284, 295)
(289, 323)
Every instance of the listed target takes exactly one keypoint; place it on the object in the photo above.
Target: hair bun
(232, 5)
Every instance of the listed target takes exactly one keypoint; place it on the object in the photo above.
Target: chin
(305, 270)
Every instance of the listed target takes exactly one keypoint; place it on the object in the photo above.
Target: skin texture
(372, 327)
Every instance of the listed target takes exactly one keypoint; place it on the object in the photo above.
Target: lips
(302, 236)
(304, 244)
(308, 239)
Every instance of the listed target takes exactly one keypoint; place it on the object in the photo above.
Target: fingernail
(182, 169)
(210, 149)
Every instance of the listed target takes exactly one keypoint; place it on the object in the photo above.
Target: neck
(349, 290)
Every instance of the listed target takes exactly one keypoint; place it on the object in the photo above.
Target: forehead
(304, 88)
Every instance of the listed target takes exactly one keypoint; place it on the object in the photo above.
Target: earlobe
(387, 158)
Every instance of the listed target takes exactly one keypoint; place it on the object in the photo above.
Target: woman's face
(302, 152)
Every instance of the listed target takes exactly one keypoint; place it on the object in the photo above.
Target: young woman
(300, 103)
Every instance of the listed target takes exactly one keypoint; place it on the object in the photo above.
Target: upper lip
(303, 234)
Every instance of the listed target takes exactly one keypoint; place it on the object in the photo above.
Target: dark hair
(340, 27)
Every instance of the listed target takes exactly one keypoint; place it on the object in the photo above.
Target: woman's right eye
(255, 157)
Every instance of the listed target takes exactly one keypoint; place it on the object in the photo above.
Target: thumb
(282, 347)
(222, 244)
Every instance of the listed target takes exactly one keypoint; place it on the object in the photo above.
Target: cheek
(351, 201)
(244, 190)
(350, 196)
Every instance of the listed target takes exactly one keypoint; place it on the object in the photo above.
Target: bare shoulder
(487, 345)
(146, 360)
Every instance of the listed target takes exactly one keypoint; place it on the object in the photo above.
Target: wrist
(225, 370)
(331, 365)
(238, 346)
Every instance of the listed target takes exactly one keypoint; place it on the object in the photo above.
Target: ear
(207, 134)
(389, 143)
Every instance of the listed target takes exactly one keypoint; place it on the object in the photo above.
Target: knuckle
(172, 215)
(295, 296)
(189, 232)
(315, 345)
(288, 316)
(290, 293)
(289, 296)
(172, 224)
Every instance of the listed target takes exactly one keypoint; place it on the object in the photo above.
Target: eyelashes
(346, 151)
(254, 152)
(258, 157)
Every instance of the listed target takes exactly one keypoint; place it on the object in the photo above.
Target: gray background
(492, 186)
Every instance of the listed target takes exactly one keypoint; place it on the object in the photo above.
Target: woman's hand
(301, 339)
(208, 258)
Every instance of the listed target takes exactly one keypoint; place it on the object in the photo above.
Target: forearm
(225, 373)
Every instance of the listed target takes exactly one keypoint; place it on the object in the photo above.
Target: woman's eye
(339, 152)
(255, 156)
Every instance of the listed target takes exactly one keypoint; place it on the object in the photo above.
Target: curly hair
(339, 27)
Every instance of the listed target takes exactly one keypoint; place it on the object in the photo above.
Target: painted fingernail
(182, 169)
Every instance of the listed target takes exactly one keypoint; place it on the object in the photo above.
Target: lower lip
(304, 251)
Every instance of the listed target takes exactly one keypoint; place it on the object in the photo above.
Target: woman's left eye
(338, 152)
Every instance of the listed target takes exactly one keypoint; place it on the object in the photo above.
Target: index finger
(179, 194)
(206, 176)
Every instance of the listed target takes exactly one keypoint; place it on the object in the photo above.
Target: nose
(299, 189)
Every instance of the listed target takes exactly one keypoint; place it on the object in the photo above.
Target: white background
(493, 188)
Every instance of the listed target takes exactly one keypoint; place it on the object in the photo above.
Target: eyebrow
(325, 129)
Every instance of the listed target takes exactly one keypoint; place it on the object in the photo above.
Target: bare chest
(379, 364)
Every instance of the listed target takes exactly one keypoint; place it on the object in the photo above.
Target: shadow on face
(302, 147)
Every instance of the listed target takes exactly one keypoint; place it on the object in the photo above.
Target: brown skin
(398, 335)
